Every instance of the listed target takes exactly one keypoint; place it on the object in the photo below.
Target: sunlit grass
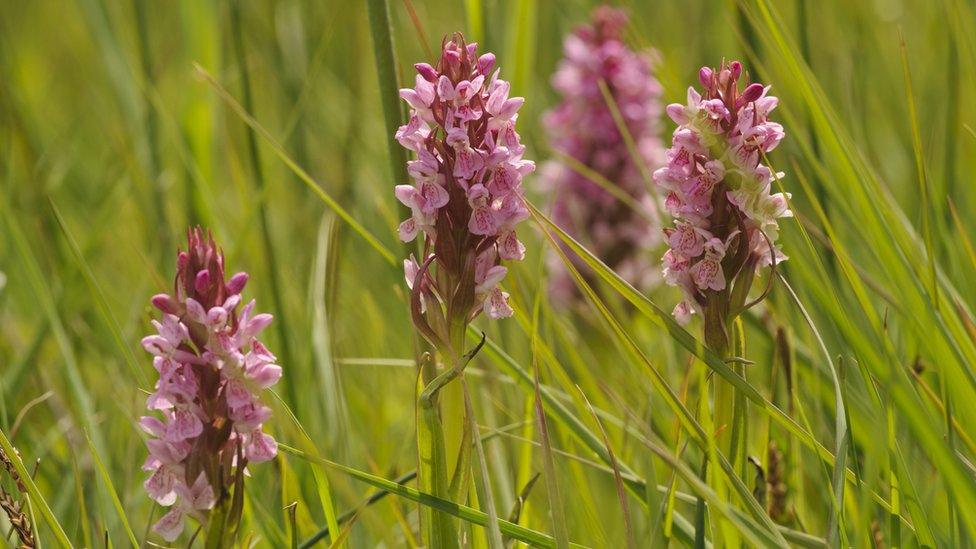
(122, 123)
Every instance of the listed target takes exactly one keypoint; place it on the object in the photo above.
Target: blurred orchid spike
(211, 372)
(466, 193)
(583, 131)
(718, 190)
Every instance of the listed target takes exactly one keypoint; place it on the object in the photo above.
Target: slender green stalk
(723, 412)
(486, 498)
(700, 507)
(438, 529)
(740, 423)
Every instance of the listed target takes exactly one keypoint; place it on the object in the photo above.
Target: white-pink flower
(718, 147)
(582, 127)
(467, 175)
(211, 372)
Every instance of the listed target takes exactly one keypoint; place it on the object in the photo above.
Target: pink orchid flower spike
(466, 194)
(212, 369)
(582, 130)
(719, 192)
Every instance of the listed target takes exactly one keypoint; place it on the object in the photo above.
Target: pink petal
(196, 311)
(408, 230)
(407, 194)
(157, 345)
(510, 107)
(185, 425)
(492, 278)
(482, 221)
(171, 525)
(504, 179)
(413, 98)
(677, 113)
(433, 196)
(496, 305)
(217, 317)
(445, 89)
(261, 447)
(152, 425)
(256, 324)
(510, 248)
(237, 394)
(266, 375)
(466, 163)
(161, 486)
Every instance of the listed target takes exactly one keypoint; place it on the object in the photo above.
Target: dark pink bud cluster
(718, 190)
(211, 371)
(466, 196)
(583, 128)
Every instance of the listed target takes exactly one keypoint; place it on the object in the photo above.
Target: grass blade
(37, 500)
(314, 186)
(103, 307)
(112, 492)
(389, 85)
(462, 512)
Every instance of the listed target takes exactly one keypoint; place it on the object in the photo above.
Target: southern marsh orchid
(466, 203)
(588, 140)
(719, 191)
(466, 194)
(208, 414)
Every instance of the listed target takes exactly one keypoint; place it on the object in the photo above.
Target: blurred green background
(112, 143)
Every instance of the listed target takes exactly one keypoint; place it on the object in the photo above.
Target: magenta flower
(466, 194)
(718, 190)
(582, 127)
(211, 372)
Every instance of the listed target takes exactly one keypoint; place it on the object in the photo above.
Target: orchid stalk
(718, 190)
(619, 225)
(208, 421)
(465, 201)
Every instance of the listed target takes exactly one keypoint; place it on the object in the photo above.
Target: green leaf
(462, 512)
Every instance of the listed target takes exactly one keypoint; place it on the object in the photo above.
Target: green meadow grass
(123, 122)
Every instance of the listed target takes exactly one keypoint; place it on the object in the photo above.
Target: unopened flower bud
(426, 71)
(202, 282)
(751, 93)
(166, 304)
(236, 283)
(705, 77)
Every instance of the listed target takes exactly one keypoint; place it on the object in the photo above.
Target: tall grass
(121, 122)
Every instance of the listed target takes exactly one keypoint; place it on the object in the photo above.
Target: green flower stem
(438, 529)
(739, 446)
